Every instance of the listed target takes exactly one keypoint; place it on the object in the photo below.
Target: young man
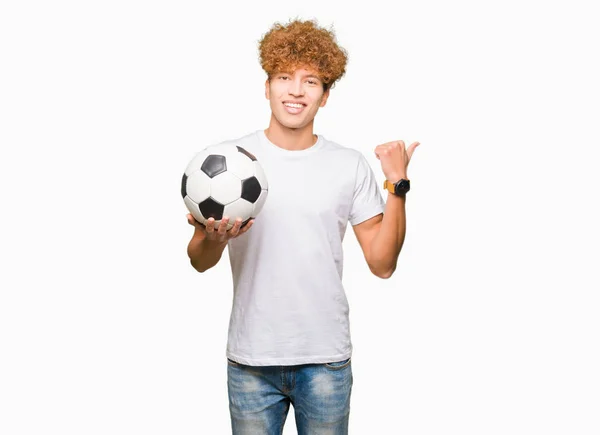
(289, 334)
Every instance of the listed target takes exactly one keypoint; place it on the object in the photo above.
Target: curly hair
(303, 43)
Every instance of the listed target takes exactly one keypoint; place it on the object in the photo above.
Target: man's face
(295, 97)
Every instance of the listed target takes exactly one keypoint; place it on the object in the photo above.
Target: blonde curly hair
(303, 43)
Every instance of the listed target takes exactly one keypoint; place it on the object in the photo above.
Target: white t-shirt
(289, 304)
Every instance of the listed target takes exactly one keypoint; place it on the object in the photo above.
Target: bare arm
(207, 244)
(381, 237)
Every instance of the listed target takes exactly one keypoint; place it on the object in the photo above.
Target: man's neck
(292, 139)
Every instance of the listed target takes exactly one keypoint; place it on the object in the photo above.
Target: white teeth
(293, 105)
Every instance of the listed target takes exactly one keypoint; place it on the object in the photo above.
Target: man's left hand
(394, 158)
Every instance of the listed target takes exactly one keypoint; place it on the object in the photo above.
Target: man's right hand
(220, 234)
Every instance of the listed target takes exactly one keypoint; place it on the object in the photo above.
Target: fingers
(220, 232)
(210, 229)
(246, 227)
(238, 230)
(210, 225)
(234, 231)
(389, 147)
(214, 231)
(223, 226)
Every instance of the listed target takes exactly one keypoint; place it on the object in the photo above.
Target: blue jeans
(260, 397)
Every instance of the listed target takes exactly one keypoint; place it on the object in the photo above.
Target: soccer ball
(224, 180)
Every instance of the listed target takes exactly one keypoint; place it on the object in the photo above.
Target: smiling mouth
(294, 108)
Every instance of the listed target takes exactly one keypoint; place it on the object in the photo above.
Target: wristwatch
(400, 188)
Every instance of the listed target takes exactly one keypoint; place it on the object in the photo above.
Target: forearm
(387, 243)
(204, 253)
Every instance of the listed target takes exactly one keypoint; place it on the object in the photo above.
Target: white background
(490, 324)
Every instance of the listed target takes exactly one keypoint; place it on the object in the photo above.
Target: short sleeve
(367, 200)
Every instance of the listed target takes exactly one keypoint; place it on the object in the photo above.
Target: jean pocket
(338, 365)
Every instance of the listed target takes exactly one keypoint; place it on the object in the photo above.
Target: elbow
(383, 272)
(385, 275)
(197, 266)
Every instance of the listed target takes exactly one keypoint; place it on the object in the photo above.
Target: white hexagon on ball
(225, 188)
(240, 165)
(198, 186)
(238, 209)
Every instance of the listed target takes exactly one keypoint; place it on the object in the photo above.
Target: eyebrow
(304, 76)
(312, 76)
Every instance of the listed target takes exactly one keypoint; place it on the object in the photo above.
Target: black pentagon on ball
(211, 209)
(214, 165)
(183, 183)
(251, 189)
(243, 151)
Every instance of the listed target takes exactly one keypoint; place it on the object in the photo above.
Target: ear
(324, 98)
(267, 93)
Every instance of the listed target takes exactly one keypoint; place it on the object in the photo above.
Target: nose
(295, 88)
